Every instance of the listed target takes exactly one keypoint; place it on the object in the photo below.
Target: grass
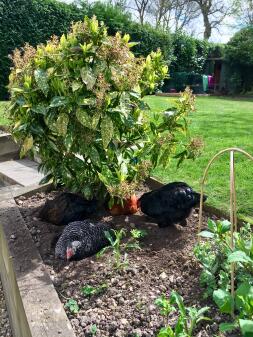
(3, 118)
(221, 122)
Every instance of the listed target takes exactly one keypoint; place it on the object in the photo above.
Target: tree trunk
(208, 27)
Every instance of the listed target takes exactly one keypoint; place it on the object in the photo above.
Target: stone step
(12, 190)
(7, 145)
(23, 172)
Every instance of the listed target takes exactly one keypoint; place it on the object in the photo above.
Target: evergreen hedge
(35, 21)
(32, 21)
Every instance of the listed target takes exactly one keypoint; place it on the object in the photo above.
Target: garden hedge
(32, 21)
(239, 55)
(35, 21)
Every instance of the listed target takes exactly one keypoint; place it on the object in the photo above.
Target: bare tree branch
(142, 7)
(173, 15)
(214, 12)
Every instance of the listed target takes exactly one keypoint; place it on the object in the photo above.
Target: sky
(226, 30)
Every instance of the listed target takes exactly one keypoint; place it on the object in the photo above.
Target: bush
(32, 21)
(239, 55)
(77, 102)
(181, 80)
(239, 50)
(190, 54)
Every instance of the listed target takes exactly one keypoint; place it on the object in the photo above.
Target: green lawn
(221, 122)
(3, 118)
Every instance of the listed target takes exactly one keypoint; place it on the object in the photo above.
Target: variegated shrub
(77, 102)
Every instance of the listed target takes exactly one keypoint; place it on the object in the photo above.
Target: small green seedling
(120, 248)
(72, 306)
(93, 329)
(187, 320)
(165, 306)
(89, 291)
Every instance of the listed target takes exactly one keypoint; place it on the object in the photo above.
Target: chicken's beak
(69, 253)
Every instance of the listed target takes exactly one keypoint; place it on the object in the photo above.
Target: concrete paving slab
(23, 171)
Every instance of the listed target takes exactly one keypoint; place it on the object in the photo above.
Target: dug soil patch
(126, 306)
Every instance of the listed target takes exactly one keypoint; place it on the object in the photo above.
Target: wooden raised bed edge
(34, 307)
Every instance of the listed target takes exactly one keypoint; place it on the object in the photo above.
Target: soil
(5, 329)
(126, 307)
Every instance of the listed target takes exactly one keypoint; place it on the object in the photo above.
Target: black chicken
(81, 239)
(66, 208)
(170, 204)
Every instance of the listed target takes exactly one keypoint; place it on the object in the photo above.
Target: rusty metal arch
(233, 215)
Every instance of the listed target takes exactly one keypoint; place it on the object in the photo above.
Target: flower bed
(111, 303)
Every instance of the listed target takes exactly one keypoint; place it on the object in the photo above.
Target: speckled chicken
(170, 204)
(81, 239)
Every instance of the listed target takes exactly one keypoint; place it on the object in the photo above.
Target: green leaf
(88, 290)
(19, 90)
(109, 237)
(86, 120)
(244, 291)
(239, 256)
(61, 124)
(228, 326)
(224, 301)
(94, 156)
(72, 306)
(88, 78)
(211, 225)
(93, 329)
(95, 120)
(176, 298)
(166, 332)
(246, 327)
(106, 130)
(46, 179)
(58, 101)
(27, 145)
(76, 86)
(41, 80)
(225, 226)
(40, 109)
(83, 118)
(206, 234)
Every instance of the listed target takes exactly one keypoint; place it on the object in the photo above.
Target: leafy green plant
(72, 305)
(216, 257)
(165, 306)
(93, 329)
(120, 248)
(187, 320)
(89, 291)
(212, 256)
(243, 304)
(77, 103)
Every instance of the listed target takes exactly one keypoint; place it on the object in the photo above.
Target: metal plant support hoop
(233, 215)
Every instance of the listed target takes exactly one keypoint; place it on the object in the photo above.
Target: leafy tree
(189, 53)
(239, 54)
